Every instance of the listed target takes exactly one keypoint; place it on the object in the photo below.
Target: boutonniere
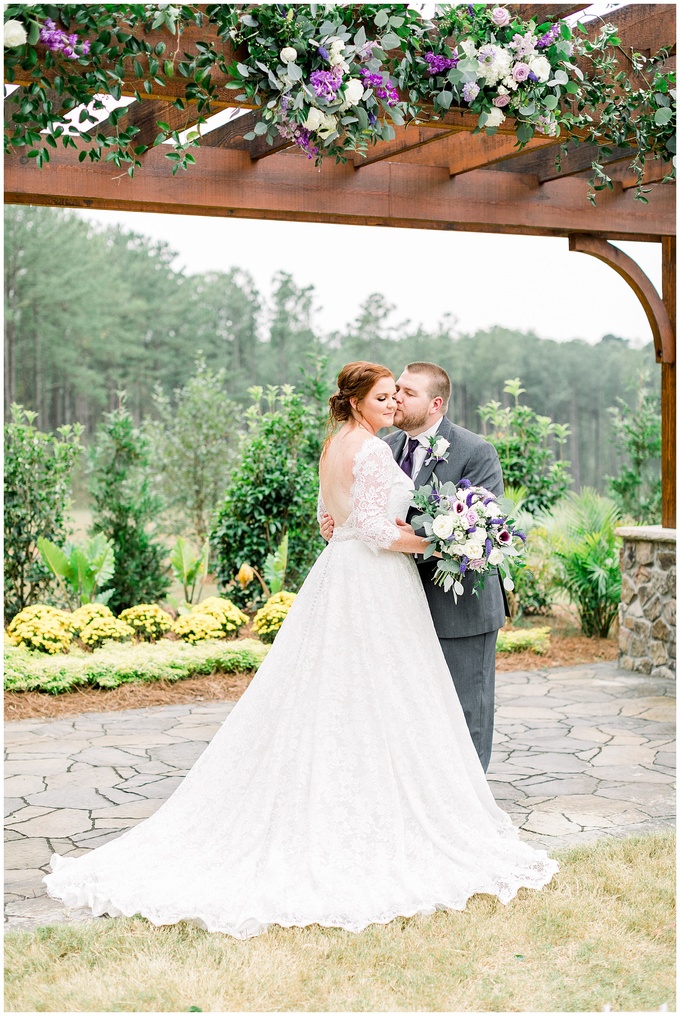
(438, 450)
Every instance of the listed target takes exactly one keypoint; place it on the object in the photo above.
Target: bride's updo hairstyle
(355, 381)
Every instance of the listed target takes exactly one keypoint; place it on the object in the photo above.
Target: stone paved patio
(579, 753)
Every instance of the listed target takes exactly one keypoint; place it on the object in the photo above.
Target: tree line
(92, 311)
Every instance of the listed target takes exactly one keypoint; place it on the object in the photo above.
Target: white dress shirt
(421, 452)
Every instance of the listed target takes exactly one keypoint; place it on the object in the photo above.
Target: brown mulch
(565, 650)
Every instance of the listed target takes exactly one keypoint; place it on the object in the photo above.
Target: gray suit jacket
(472, 458)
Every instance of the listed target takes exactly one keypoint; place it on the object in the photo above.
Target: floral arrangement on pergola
(332, 79)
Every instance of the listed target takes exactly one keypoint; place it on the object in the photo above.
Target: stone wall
(647, 608)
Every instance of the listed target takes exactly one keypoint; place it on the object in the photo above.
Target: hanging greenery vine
(332, 79)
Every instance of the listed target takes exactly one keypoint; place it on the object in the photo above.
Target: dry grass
(602, 933)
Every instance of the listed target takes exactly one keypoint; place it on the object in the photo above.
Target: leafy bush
(80, 571)
(582, 529)
(42, 628)
(229, 616)
(105, 629)
(637, 433)
(194, 448)
(515, 641)
(148, 620)
(533, 571)
(114, 664)
(38, 469)
(82, 616)
(269, 618)
(124, 508)
(273, 492)
(520, 437)
(198, 627)
(190, 567)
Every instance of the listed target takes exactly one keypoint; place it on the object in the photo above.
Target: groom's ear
(436, 404)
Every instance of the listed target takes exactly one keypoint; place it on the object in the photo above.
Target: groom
(467, 630)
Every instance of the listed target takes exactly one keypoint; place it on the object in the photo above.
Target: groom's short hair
(438, 381)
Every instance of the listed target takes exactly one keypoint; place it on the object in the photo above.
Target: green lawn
(602, 933)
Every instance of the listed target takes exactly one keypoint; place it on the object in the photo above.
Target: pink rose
(521, 71)
(501, 100)
(500, 17)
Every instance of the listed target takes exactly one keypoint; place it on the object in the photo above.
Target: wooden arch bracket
(655, 309)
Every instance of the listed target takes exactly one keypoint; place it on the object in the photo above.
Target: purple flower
(521, 72)
(323, 52)
(488, 546)
(58, 41)
(463, 564)
(470, 91)
(504, 536)
(500, 17)
(437, 64)
(471, 10)
(295, 132)
(326, 83)
(550, 36)
(501, 100)
(464, 483)
(383, 89)
(365, 52)
(532, 76)
(458, 508)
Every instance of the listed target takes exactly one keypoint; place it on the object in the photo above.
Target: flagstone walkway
(579, 753)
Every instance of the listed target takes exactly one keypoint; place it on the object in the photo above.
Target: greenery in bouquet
(470, 529)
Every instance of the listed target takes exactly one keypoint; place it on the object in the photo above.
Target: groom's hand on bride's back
(326, 526)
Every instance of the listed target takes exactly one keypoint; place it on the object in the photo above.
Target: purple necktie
(407, 463)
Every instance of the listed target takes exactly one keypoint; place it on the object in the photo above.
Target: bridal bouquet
(471, 528)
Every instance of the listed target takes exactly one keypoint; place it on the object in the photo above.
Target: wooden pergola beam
(287, 186)
(577, 159)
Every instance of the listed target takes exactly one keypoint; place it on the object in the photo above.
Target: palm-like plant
(582, 530)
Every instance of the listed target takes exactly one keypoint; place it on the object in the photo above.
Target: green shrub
(80, 571)
(582, 530)
(124, 509)
(520, 436)
(148, 620)
(38, 469)
(273, 492)
(269, 618)
(515, 641)
(119, 664)
(637, 433)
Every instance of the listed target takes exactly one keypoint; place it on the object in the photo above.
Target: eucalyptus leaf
(663, 115)
(444, 99)
(550, 102)
(360, 38)
(390, 41)
(381, 19)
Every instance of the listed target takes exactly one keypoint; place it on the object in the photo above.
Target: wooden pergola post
(668, 394)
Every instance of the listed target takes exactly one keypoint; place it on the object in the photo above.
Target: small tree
(272, 492)
(194, 443)
(124, 507)
(520, 437)
(38, 472)
(637, 432)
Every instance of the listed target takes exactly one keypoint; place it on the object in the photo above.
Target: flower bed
(117, 664)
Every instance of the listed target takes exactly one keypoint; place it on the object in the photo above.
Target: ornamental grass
(116, 664)
(600, 935)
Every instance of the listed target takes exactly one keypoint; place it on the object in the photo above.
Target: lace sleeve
(373, 469)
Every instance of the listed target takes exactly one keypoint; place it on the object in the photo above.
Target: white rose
(288, 55)
(496, 556)
(354, 89)
(474, 550)
(509, 84)
(440, 447)
(335, 45)
(442, 526)
(540, 66)
(314, 120)
(468, 47)
(329, 125)
(495, 117)
(14, 34)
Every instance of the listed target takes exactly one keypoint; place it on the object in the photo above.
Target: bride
(343, 789)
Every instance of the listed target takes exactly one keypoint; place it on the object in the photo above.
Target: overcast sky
(482, 279)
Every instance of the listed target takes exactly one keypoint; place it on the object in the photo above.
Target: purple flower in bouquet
(521, 71)
(504, 537)
(470, 91)
(523, 45)
(437, 63)
(532, 76)
(58, 41)
(295, 132)
(501, 100)
(365, 52)
(383, 89)
(500, 17)
(323, 52)
(550, 36)
(326, 83)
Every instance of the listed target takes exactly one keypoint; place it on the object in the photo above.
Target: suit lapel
(426, 471)
(397, 448)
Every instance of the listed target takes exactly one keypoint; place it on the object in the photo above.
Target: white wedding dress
(343, 789)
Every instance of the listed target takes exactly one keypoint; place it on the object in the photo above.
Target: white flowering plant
(471, 529)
